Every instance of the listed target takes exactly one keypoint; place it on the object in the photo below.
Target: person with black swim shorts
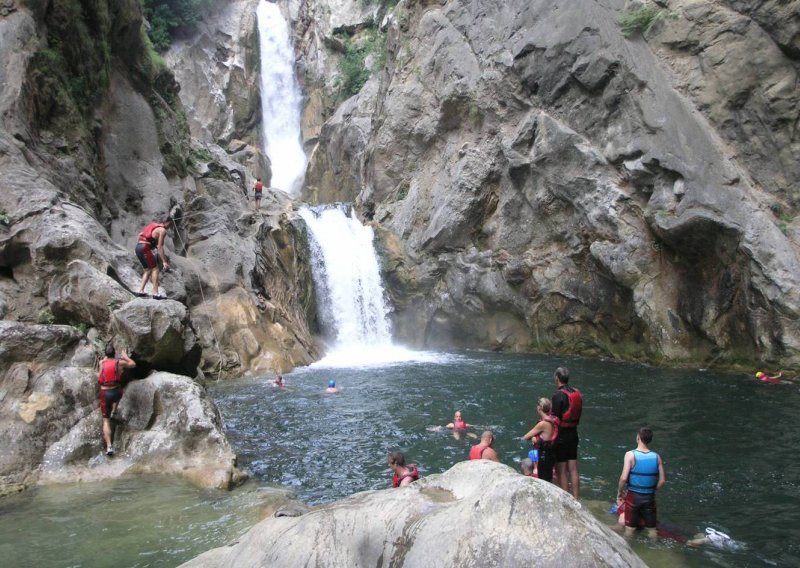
(642, 474)
(149, 250)
(110, 379)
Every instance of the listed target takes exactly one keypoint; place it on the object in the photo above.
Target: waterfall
(352, 307)
(280, 100)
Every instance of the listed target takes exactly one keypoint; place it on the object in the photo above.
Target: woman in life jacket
(149, 248)
(403, 474)
(544, 436)
(110, 379)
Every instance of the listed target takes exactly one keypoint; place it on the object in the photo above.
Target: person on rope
(403, 474)
(484, 450)
(110, 379)
(149, 248)
(544, 437)
(642, 474)
(567, 405)
(258, 188)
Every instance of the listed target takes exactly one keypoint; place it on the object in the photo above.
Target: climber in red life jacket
(110, 379)
(403, 474)
(544, 437)
(258, 188)
(148, 249)
(567, 404)
(484, 450)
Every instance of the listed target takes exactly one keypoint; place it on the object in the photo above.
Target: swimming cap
(331, 383)
(759, 375)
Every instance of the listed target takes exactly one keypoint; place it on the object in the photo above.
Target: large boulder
(50, 425)
(476, 514)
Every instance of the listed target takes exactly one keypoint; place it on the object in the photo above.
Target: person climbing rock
(403, 474)
(484, 450)
(258, 188)
(149, 248)
(110, 379)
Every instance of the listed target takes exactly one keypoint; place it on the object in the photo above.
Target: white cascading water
(280, 100)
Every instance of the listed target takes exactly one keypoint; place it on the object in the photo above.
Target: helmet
(759, 375)
(331, 384)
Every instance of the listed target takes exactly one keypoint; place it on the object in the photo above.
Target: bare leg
(107, 432)
(574, 478)
(155, 281)
(629, 531)
(652, 534)
(145, 278)
(563, 480)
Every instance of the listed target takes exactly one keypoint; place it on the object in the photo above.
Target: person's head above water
(396, 458)
(759, 374)
(331, 384)
(487, 438)
(457, 415)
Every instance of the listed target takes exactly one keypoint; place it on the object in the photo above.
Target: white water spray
(280, 100)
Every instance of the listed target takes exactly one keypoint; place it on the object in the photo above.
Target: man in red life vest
(484, 450)
(567, 404)
(110, 379)
(259, 191)
(148, 249)
(403, 474)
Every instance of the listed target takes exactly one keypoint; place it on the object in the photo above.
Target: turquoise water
(727, 442)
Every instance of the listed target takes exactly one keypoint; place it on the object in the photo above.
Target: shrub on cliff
(167, 17)
(640, 19)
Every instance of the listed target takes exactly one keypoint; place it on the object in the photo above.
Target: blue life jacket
(643, 477)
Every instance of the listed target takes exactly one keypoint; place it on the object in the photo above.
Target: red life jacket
(109, 373)
(553, 435)
(413, 473)
(573, 414)
(459, 425)
(147, 233)
(259, 187)
(476, 452)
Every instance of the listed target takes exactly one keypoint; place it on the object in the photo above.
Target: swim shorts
(258, 195)
(147, 255)
(640, 505)
(547, 459)
(108, 398)
(567, 445)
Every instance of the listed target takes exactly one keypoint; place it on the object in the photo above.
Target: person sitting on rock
(258, 189)
(149, 248)
(403, 474)
(484, 450)
(110, 379)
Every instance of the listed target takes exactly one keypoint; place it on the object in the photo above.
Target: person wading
(110, 379)
(642, 474)
(567, 405)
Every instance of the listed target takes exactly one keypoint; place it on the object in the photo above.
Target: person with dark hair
(258, 189)
(149, 248)
(567, 405)
(642, 474)
(484, 450)
(278, 382)
(110, 379)
(403, 474)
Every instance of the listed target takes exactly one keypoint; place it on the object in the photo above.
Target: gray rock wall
(541, 182)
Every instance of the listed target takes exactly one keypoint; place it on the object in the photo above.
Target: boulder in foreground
(475, 514)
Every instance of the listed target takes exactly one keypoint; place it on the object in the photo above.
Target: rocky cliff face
(542, 182)
(94, 144)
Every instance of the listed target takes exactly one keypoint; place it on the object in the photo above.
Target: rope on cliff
(203, 296)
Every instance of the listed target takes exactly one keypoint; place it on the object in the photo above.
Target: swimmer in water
(769, 379)
(278, 382)
(459, 426)
(331, 387)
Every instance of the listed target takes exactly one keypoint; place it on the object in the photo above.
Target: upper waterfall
(280, 100)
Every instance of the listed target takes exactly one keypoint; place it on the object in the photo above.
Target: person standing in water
(484, 450)
(149, 249)
(403, 474)
(544, 437)
(110, 379)
(258, 189)
(567, 405)
(642, 474)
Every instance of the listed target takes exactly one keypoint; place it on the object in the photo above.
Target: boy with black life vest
(567, 405)
(149, 247)
(110, 379)
(403, 474)
(259, 191)
(642, 474)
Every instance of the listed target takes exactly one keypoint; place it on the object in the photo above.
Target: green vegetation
(82, 326)
(353, 71)
(640, 19)
(45, 316)
(380, 3)
(167, 17)
(5, 219)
